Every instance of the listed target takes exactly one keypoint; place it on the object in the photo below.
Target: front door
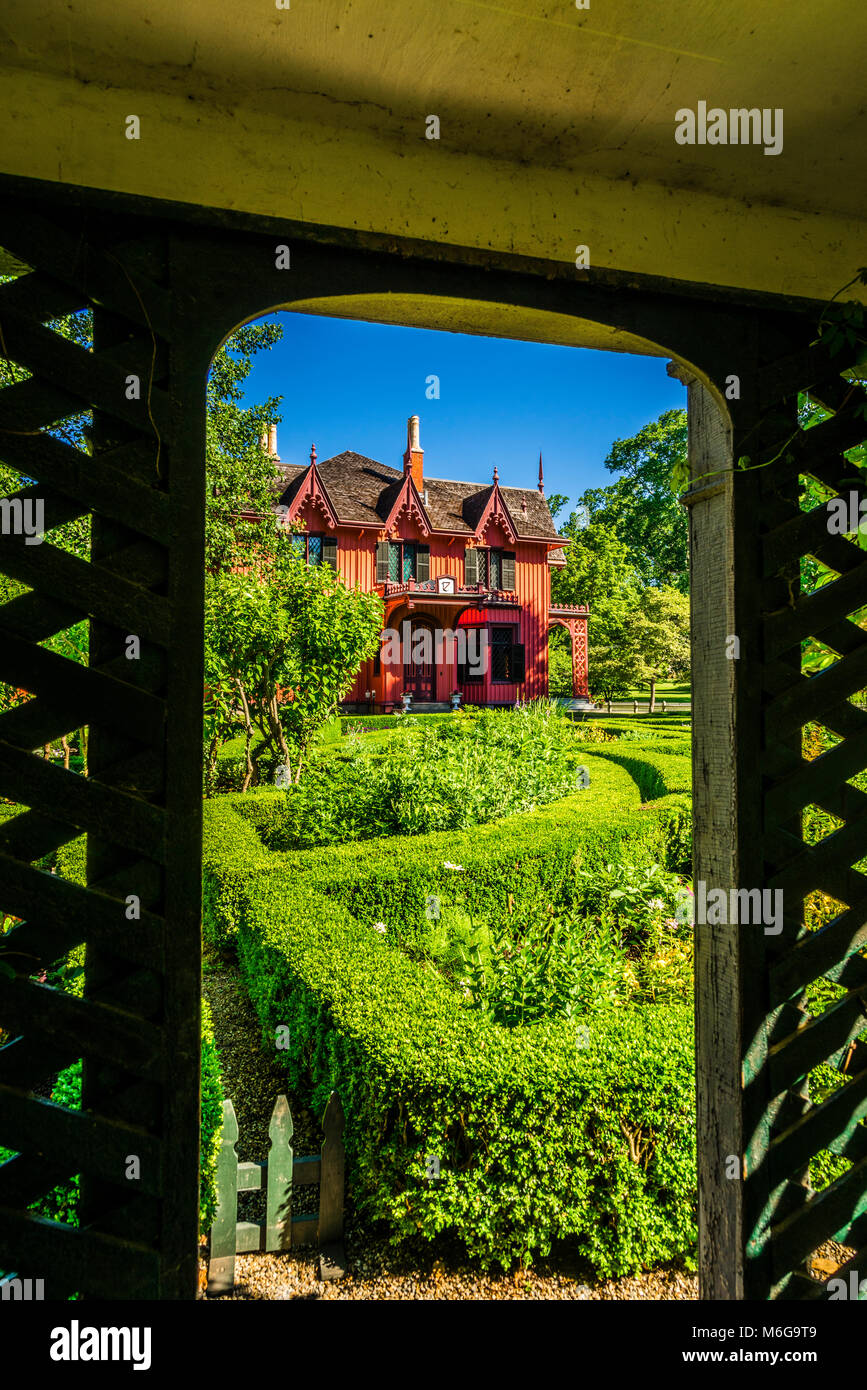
(419, 670)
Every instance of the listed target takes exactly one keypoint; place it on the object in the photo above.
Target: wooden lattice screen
(165, 285)
(137, 1026)
(805, 988)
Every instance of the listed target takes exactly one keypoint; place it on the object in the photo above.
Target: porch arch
(166, 287)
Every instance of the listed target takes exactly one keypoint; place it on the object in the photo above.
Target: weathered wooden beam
(89, 1143)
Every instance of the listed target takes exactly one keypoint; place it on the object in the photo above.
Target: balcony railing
(427, 588)
(568, 610)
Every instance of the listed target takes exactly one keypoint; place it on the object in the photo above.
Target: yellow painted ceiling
(556, 124)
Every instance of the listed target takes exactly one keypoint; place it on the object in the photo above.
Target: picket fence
(280, 1173)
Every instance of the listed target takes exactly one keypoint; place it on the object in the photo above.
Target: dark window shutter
(471, 566)
(507, 570)
(329, 551)
(422, 562)
(382, 562)
(519, 669)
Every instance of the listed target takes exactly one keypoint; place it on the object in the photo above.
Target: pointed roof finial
(312, 453)
(541, 475)
(496, 474)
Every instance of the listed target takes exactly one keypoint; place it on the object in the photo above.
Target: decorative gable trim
(409, 501)
(313, 492)
(495, 510)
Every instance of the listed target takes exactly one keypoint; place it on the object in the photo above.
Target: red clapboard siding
(356, 563)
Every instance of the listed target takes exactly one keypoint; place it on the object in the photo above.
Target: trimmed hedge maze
(542, 1131)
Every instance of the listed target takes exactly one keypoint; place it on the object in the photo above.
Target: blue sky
(352, 385)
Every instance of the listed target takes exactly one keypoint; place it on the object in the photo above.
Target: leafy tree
(240, 473)
(641, 506)
(556, 502)
(559, 664)
(284, 642)
(599, 572)
(659, 635)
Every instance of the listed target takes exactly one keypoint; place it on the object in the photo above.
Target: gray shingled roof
(363, 490)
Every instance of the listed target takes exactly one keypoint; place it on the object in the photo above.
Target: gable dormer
(309, 493)
(491, 511)
(408, 503)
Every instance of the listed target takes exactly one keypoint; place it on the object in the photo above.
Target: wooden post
(221, 1266)
(332, 1260)
(278, 1219)
(718, 981)
(634, 706)
(608, 703)
(663, 706)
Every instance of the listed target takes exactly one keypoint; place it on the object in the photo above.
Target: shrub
(531, 857)
(457, 774)
(538, 1137)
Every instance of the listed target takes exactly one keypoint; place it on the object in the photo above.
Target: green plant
(460, 773)
(539, 1136)
(557, 967)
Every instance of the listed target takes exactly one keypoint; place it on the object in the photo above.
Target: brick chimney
(268, 440)
(413, 459)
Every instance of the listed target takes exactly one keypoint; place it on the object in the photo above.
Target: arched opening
(143, 806)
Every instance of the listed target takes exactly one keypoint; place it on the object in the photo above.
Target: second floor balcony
(445, 587)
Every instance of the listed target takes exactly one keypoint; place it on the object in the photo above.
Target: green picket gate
(280, 1172)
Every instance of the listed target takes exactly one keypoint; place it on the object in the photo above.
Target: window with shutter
(507, 571)
(329, 552)
(501, 650)
(507, 656)
(394, 561)
(471, 566)
(422, 563)
(494, 569)
(382, 562)
(408, 561)
(314, 550)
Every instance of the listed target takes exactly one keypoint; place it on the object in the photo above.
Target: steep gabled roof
(364, 491)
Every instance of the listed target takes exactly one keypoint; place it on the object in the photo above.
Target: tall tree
(642, 507)
(659, 633)
(599, 572)
(284, 641)
(241, 475)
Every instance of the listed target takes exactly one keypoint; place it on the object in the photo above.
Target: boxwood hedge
(541, 1132)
